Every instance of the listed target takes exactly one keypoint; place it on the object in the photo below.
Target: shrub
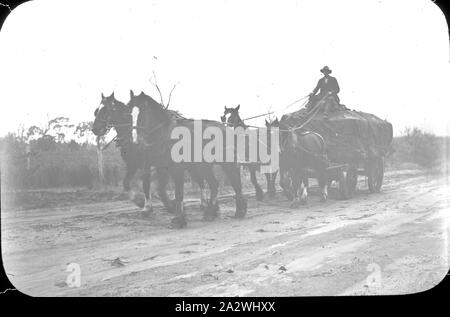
(55, 164)
(418, 147)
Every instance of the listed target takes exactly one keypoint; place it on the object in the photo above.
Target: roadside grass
(64, 174)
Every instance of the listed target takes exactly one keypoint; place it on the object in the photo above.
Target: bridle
(234, 120)
(124, 141)
(108, 126)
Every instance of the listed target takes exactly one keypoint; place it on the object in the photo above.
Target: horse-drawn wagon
(356, 144)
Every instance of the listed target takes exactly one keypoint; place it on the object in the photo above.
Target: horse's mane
(124, 106)
(167, 112)
(176, 114)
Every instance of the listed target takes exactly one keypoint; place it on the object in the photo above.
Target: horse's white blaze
(135, 114)
(100, 107)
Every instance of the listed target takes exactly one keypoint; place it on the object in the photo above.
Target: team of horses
(300, 152)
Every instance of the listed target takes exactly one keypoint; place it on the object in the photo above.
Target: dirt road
(394, 242)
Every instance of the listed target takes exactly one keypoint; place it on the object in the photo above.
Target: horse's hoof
(170, 206)
(138, 200)
(288, 195)
(303, 201)
(295, 204)
(147, 209)
(209, 216)
(241, 208)
(178, 222)
(213, 207)
(259, 195)
(241, 204)
(323, 198)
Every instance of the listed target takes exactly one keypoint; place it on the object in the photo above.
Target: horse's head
(234, 119)
(272, 123)
(110, 113)
(150, 111)
(285, 133)
(143, 101)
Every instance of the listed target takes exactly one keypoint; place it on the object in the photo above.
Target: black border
(297, 305)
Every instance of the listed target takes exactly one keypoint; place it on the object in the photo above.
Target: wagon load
(350, 136)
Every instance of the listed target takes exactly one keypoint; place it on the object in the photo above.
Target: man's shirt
(327, 84)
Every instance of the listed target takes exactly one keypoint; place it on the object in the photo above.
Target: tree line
(61, 154)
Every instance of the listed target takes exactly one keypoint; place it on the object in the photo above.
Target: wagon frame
(346, 175)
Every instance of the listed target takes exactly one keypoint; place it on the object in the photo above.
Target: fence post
(100, 166)
(28, 155)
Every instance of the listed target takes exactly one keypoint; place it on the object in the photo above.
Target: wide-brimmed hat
(325, 69)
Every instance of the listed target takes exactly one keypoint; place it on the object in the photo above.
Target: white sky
(391, 57)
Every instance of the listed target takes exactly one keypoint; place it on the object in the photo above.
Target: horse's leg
(304, 187)
(198, 178)
(268, 181)
(130, 172)
(270, 178)
(284, 184)
(296, 182)
(203, 198)
(234, 175)
(274, 178)
(323, 183)
(177, 172)
(162, 176)
(258, 191)
(213, 204)
(146, 185)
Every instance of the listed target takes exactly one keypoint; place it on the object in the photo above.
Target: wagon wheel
(375, 174)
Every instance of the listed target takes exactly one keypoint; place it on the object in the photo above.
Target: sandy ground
(394, 242)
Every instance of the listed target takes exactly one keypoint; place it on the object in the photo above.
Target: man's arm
(336, 88)
(314, 92)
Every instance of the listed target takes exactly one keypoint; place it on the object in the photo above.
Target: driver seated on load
(329, 88)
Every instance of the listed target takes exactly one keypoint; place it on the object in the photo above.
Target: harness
(120, 141)
(116, 139)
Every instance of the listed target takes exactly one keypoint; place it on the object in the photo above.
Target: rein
(102, 148)
(154, 129)
(116, 138)
(312, 114)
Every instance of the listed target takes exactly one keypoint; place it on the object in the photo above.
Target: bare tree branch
(170, 95)
(157, 87)
(155, 83)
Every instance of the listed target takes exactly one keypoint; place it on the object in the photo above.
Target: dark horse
(234, 120)
(301, 152)
(155, 124)
(114, 113)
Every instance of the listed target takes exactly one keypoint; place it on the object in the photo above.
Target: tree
(84, 129)
(423, 148)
